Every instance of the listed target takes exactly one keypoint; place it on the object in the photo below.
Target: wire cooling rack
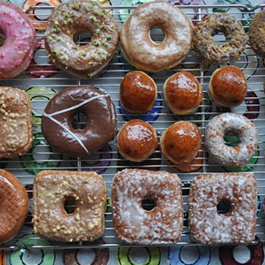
(107, 161)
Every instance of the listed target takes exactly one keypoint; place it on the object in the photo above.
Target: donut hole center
(41, 57)
(148, 204)
(79, 121)
(219, 36)
(138, 256)
(32, 257)
(242, 254)
(85, 256)
(157, 35)
(2, 38)
(224, 206)
(232, 138)
(70, 205)
(42, 13)
(41, 154)
(82, 38)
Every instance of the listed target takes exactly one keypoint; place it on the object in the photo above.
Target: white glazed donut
(231, 155)
(137, 45)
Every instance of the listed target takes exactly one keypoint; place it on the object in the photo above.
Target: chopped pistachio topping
(87, 9)
(56, 23)
(76, 7)
(65, 22)
(55, 52)
(90, 75)
(97, 31)
(84, 53)
(109, 37)
(96, 12)
(92, 18)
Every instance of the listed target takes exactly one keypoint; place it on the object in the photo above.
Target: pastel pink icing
(17, 50)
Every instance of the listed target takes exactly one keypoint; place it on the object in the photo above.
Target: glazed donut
(101, 126)
(182, 93)
(181, 142)
(17, 257)
(34, 166)
(138, 47)
(137, 140)
(130, 188)
(137, 92)
(17, 50)
(38, 23)
(228, 155)
(236, 226)
(14, 205)
(15, 123)
(228, 86)
(204, 43)
(68, 19)
(52, 189)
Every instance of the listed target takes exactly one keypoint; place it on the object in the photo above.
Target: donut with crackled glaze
(71, 18)
(231, 155)
(208, 225)
(145, 54)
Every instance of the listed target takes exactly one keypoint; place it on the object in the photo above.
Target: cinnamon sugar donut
(239, 192)
(135, 225)
(138, 47)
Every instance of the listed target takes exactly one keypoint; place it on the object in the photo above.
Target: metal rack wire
(107, 161)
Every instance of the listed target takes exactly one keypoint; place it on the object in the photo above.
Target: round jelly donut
(137, 140)
(208, 49)
(134, 256)
(228, 86)
(17, 50)
(38, 22)
(231, 155)
(181, 142)
(14, 205)
(182, 93)
(69, 19)
(44, 256)
(137, 92)
(145, 54)
(101, 125)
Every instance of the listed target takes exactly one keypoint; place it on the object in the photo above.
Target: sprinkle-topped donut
(71, 18)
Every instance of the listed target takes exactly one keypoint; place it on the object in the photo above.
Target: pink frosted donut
(17, 50)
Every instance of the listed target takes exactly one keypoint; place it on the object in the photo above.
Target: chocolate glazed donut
(101, 120)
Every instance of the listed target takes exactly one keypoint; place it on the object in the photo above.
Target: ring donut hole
(148, 204)
(79, 121)
(224, 207)
(82, 37)
(2, 39)
(69, 204)
(42, 14)
(234, 134)
(242, 254)
(220, 35)
(157, 35)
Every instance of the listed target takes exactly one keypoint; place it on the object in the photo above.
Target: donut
(67, 20)
(207, 193)
(17, 50)
(137, 92)
(38, 23)
(138, 47)
(125, 256)
(39, 93)
(228, 86)
(231, 155)
(137, 140)
(182, 93)
(175, 255)
(14, 205)
(35, 166)
(46, 255)
(52, 190)
(101, 125)
(36, 70)
(130, 189)
(15, 123)
(208, 50)
(181, 142)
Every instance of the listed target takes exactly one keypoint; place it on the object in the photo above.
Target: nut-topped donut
(71, 18)
(137, 45)
(208, 49)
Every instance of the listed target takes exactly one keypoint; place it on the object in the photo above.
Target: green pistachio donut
(70, 18)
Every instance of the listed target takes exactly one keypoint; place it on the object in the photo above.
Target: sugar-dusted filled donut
(210, 226)
(135, 224)
(138, 47)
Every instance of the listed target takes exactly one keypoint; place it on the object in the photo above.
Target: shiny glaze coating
(143, 53)
(71, 18)
(101, 120)
(15, 122)
(182, 93)
(137, 92)
(137, 140)
(208, 49)
(135, 225)
(17, 51)
(14, 205)
(51, 189)
(181, 142)
(228, 86)
(231, 155)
